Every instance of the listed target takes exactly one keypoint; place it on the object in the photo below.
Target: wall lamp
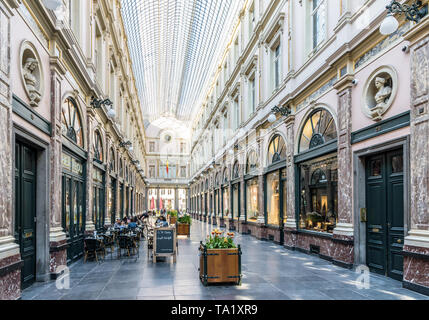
(98, 103)
(136, 162)
(414, 12)
(127, 144)
(284, 111)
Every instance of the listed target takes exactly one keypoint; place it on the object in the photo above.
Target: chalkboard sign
(165, 241)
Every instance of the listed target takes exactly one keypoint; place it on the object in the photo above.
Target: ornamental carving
(32, 73)
(379, 92)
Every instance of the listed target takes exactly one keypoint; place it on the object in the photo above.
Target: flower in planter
(218, 241)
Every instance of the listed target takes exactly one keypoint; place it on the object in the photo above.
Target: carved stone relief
(379, 92)
(32, 73)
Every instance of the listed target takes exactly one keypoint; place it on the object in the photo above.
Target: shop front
(251, 193)
(73, 180)
(235, 199)
(275, 190)
(317, 186)
(73, 203)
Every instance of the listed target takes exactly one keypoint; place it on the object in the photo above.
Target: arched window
(207, 184)
(252, 162)
(236, 170)
(276, 150)
(318, 177)
(217, 179)
(98, 147)
(318, 130)
(225, 176)
(72, 122)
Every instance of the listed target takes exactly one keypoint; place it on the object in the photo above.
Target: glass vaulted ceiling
(175, 46)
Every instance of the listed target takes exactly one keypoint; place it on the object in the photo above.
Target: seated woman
(161, 222)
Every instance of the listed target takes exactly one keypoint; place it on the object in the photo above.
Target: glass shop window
(273, 199)
(319, 194)
(252, 200)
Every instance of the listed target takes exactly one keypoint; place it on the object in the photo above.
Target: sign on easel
(164, 243)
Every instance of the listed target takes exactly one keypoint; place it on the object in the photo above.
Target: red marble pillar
(10, 258)
(89, 226)
(57, 236)
(343, 240)
(416, 245)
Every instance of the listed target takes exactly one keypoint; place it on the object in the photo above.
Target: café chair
(92, 247)
(124, 244)
(109, 242)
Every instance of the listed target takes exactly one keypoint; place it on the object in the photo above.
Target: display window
(252, 211)
(319, 194)
(273, 198)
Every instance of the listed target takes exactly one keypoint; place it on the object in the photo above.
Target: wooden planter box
(173, 220)
(183, 229)
(220, 265)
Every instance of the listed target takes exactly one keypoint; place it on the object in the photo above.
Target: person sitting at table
(132, 223)
(117, 223)
(162, 222)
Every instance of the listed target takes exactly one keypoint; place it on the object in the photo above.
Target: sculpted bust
(384, 91)
(381, 98)
(31, 81)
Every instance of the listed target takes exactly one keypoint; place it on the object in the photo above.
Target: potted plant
(183, 225)
(220, 259)
(173, 216)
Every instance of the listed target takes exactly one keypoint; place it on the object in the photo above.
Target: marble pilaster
(343, 248)
(10, 282)
(89, 226)
(57, 236)
(416, 244)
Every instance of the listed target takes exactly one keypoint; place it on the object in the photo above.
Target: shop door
(385, 213)
(25, 210)
(74, 219)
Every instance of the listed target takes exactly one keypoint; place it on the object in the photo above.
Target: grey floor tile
(269, 272)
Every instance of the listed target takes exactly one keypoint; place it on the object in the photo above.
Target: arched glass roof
(175, 46)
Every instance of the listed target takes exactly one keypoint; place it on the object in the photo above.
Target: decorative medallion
(31, 73)
(379, 92)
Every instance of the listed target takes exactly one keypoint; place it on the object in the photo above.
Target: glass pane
(235, 203)
(397, 164)
(67, 206)
(81, 200)
(375, 168)
(252, 200)
(273, 199)
(284, 201)
(319, 195)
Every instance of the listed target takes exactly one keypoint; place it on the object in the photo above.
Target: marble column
(57, 236)
(176, 199)
(416, 245)
(117, 187)
(89, 226)
(107, 188)
(261, 189)
(290, 227)
(343, 233)
(10, 259)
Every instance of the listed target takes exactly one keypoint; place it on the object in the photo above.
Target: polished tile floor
(269, 272)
